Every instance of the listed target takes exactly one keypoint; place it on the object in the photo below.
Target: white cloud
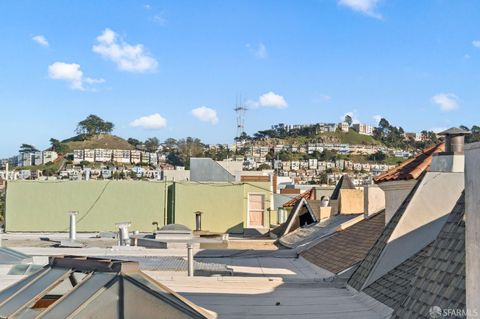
(132, 58)
(72, 73)
(69, 72)
(152, 122)
(260, 51)
(272, 99)
(367, 7)
(446, 101)
(40, 39)
(476, 43)
(377, 118)
(205, 114)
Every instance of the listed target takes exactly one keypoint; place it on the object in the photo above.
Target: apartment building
(135, 156)
(121, 156)
(344, 127)
(103, 155)
(49, 156)
(363, 129)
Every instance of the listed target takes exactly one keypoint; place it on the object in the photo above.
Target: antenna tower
(240, 109)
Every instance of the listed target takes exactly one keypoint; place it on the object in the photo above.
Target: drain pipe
(190, 259)
(73, 225)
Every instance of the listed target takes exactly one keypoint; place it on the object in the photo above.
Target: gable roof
(344, 183)
(9, 257)
(310, 235)
(82, 287)
(440, 280)
(411, 168)
(346, 248)
(286, 227)
(310, 194)
(359, 277)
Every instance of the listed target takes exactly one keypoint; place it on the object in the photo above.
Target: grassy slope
(99, 141)
(351, 137)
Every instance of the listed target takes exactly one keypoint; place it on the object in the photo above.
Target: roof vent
(454, 140)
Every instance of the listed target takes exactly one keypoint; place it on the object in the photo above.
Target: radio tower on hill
(240, 109)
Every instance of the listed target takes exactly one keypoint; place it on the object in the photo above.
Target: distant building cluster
(116, 156)
(360, 128)
(256, 155)
(33, 158)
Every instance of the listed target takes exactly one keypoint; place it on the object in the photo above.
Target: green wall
(42, 206)
(224, 205)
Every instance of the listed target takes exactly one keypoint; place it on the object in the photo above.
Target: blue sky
(175, 68)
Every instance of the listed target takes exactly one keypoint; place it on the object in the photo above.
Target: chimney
(454, 140)
(453, 159)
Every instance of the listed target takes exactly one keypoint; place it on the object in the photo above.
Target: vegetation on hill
(97, 141)
(475, 133)
(384, 134)
(93, 125)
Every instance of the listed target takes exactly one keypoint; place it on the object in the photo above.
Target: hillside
(351, 137)
(98, 141)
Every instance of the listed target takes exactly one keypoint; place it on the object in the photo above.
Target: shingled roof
(346, 248)
(440, 280)
(412, 168)
(359, 277)
(392, 289)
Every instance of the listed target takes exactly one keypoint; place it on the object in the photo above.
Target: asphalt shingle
(348, 247)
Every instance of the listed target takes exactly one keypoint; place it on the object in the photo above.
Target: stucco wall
(422, 220)
(472, 223)
(374, 199)
(42, 206)
(224, 205)
(206, 169)
(395, 194)
(351, 201)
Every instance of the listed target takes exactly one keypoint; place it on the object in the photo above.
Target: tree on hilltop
(152, 144)
(93, 125)
(27, 148)
(58, 146)
(348, 119)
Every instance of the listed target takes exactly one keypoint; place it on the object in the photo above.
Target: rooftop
(412, 168)
(346, 248)
(82, 286)
(310, 194)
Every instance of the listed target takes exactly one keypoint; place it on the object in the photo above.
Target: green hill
(98, 141)
(351, 137)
